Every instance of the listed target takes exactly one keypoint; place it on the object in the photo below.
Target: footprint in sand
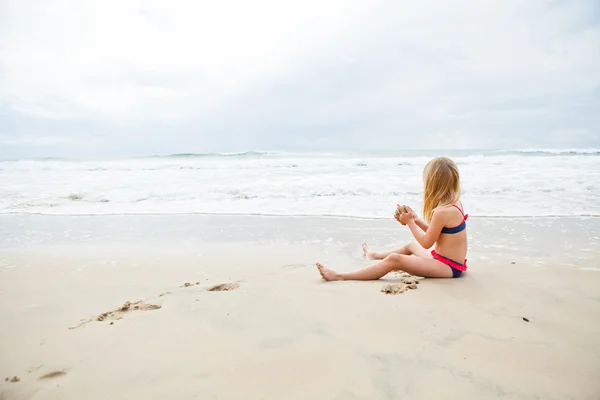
(120, 312)
(224, 287)
(125, 308)
(188, 284)
(54, 374)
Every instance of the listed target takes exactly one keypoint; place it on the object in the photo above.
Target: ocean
(495, 183)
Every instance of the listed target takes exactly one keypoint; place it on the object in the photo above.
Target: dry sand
(271, 329)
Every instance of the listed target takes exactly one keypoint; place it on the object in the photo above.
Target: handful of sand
(403, 210)
(399, 211)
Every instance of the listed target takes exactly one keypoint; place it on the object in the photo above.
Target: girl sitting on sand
(445, 228)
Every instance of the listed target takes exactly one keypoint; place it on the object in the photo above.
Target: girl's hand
(406, 217)
(414, 214)
(399, 210)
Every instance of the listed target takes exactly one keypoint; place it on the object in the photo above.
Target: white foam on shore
(499, 184)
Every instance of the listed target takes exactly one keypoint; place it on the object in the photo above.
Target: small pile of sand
(406, 282)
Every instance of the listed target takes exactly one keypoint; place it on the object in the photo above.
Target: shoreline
(250, 215)
(570, 241)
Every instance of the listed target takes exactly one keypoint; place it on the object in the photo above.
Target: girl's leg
(408, 249)
(420, 266)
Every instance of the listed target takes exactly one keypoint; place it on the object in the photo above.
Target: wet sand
(270, 328)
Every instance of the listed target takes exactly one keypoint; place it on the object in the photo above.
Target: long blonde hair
(442, 185)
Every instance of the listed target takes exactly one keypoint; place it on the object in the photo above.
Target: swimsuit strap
(465, 216)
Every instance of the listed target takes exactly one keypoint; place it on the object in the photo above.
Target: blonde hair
(442, 185)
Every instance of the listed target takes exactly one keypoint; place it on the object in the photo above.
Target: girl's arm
(420, 223)
(426, 238)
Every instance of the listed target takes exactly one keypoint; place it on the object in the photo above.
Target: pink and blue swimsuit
(457, 268)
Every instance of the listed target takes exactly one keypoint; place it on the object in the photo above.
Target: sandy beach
(179, 179)
(523, 323)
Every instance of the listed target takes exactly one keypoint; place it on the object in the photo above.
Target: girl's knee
(395, 258)
(394, 262)
(412, 246)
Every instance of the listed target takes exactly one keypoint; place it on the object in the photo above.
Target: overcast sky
(90, 78)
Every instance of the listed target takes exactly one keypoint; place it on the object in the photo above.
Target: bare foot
(328, 274)
(368, 254)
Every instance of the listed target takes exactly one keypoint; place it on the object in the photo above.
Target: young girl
(444, 227)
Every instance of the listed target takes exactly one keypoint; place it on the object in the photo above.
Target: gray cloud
(376, 75)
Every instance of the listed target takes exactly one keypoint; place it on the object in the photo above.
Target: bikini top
(460, 227)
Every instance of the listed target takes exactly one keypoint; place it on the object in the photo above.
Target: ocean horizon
(374, 153)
